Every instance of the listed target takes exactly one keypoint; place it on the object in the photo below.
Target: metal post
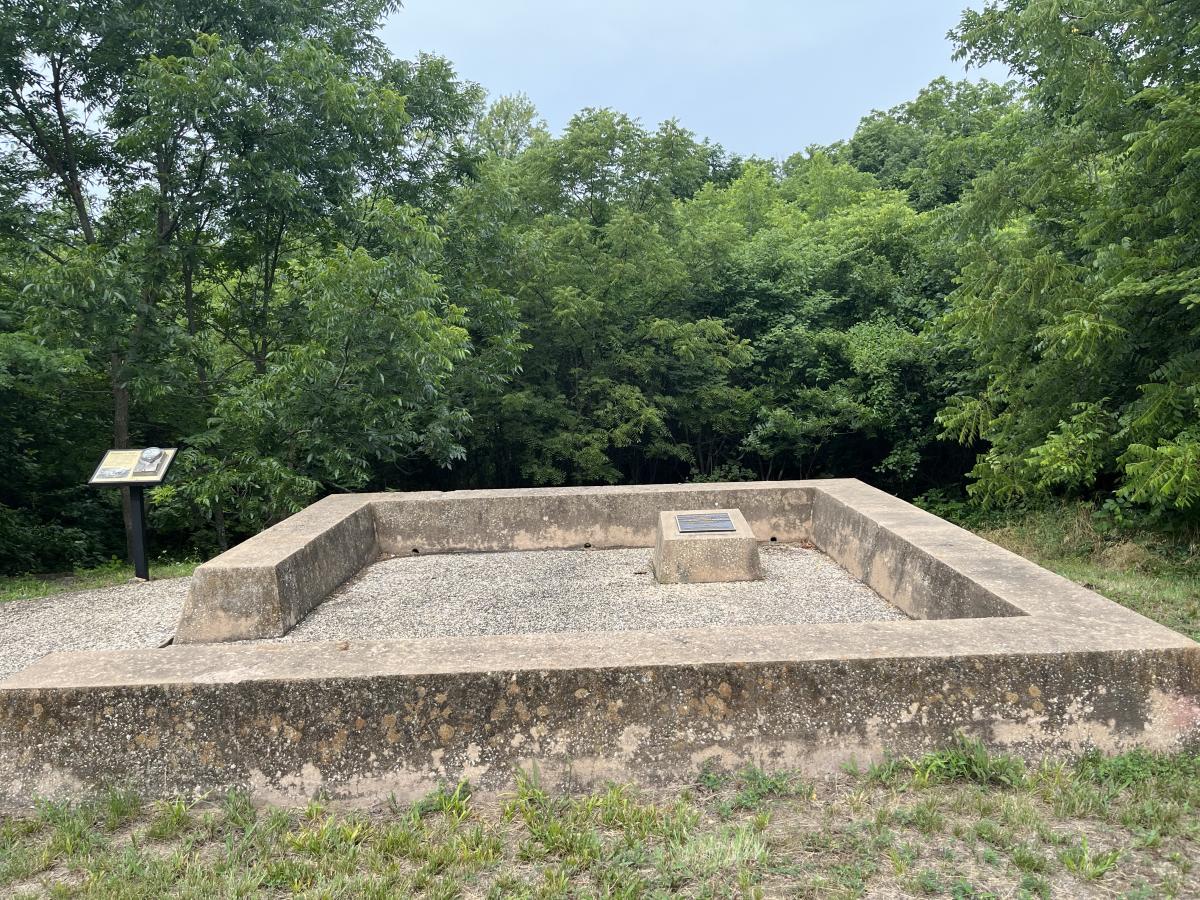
(137, 504)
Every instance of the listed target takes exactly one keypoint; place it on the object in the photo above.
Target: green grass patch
(28, 587)
(966, 760)
(953, 823)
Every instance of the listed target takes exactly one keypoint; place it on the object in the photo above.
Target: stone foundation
(1002, 650)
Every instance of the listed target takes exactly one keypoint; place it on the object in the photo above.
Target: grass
(28, 587)
(961, 823)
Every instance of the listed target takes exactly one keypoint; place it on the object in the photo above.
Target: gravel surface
(113, 618)
(580, 590)
(467, 594)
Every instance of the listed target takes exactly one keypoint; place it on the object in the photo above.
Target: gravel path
(580, 590)
(112, 618)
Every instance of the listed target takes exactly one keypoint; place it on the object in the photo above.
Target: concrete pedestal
(697, 557)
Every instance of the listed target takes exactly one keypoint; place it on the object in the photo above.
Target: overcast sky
(765, 77)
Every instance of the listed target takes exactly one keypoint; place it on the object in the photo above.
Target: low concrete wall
(561, 518)
(285, 722)
(264, 586)
(898, 550)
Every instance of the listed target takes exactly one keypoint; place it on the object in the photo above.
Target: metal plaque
(148, 466)
(688, 523)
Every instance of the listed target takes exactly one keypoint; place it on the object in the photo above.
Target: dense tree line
(249, 231)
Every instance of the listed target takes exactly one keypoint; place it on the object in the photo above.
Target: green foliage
(966, 760)
(1081, 860)
(1079, 261)
(252, 233)
(244, 256)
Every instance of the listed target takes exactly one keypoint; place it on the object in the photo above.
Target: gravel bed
(121, 617)
(551, 591)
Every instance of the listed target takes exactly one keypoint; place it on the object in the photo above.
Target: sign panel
(120, 467)
(700, 522)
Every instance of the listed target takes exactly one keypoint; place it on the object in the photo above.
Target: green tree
(228, 218)
(1080, 257)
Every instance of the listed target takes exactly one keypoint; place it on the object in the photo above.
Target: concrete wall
(264, 586)
(288, 721)
(898, 550)
(559, 518)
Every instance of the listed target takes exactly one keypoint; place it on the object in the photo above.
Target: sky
(760, 77)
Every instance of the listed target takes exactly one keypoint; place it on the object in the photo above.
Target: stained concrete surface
(556, 591)
(265, 585)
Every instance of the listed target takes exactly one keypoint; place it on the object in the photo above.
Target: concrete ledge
(287, 722)
(267, 584)
(897, 550)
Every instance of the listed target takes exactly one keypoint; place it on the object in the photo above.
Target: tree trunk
(193, 327)
(120, 392)
(219, 524)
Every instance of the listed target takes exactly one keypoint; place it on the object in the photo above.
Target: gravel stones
(537, 592)
(551, 591)
(125, 616)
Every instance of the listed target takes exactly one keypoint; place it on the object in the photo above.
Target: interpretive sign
(136, 470)
(133, 467)
(688, 523)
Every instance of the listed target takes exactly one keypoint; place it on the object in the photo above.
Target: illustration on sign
(149, 461)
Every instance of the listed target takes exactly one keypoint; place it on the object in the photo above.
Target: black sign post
(137, 508)
(135, 469)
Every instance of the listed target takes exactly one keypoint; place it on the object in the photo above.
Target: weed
(966, 760)
(711, 779)
(1027, 859)
(1032, 885)
(755, 785)
(925, 816)
(902, 858)
(964, 890)
(1081, 860)
(171, 818)
(453, 803)
(970, 761)
(927, 882)
(120, 807)
(239, 811)
(991, 833)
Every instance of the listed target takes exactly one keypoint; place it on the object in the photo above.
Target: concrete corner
(264, 586)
